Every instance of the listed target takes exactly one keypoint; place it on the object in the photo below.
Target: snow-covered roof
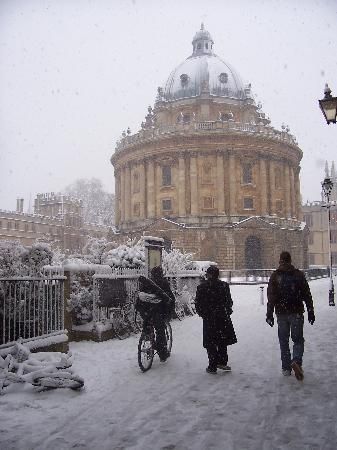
(204, 70)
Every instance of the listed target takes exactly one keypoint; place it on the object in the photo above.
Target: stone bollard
(262, 295)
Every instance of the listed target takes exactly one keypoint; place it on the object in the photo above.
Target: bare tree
(98, 205)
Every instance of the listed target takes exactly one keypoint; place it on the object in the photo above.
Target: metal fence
(30, 308)
(122, 287)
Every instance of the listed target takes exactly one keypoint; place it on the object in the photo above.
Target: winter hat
(213, 271)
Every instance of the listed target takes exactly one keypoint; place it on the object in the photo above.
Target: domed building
(208, 172)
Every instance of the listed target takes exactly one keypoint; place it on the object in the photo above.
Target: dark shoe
(210, 370)
(286, 372)
(298, 371)
(163, 356)
(224, 367)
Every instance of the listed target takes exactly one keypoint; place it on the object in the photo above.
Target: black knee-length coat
(214, 304)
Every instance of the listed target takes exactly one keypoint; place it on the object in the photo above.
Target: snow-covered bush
(95, 250)
(37, 256)
(130, 255)
(81, 298)
(11, 258)
(175, 261)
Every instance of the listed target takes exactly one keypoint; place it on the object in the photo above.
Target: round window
(223, 77)
(184, 78)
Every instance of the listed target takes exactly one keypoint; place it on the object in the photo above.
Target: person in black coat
(156, 301)
(213, 303)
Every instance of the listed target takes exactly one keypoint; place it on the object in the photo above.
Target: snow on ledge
(41, 341)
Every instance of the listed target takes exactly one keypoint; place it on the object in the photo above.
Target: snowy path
(176, 405)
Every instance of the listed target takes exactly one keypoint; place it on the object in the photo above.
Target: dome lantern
(202, 42)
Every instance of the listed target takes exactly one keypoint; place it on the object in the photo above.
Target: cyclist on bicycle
(156, 302)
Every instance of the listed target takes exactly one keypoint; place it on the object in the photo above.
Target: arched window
(207, 174)
(278, 178)
(247, 173)
(166, 176)
(136, 184)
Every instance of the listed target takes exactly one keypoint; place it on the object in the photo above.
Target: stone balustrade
(146, 135)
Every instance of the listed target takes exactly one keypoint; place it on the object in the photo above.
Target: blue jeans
(291, 325)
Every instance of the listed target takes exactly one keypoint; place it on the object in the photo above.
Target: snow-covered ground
(176, 405)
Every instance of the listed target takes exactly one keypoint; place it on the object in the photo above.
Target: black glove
(311, 317)
(270, 320)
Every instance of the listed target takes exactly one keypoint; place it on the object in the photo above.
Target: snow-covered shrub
(81, 298)
(130, 255)
(175, 261)
(95, 249)
(11, 258)
(37, 256)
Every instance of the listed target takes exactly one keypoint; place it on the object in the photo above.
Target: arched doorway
(253, 253)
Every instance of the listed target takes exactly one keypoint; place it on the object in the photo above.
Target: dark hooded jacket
(287, 290)
(214, 304)
(160, 287)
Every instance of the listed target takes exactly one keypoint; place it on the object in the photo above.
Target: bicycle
(40, 371)
(125, 320)
(147, 344)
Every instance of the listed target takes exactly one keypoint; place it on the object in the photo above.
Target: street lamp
(328, 106)
(327, 186)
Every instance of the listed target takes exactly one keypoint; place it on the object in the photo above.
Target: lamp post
(327, 186)
(328, 106)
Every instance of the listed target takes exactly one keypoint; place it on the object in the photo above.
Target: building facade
(207, 162)
(57, 219)
(315, 215)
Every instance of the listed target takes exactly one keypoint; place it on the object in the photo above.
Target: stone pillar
(142, 186)
(181, 186)
(272, 186)
(220, 181)
(232, 186)
(263, 188)
(298, 194)
(286, 187)
(194, 184)
(117, 196)
(127, 190)
(292, 192)
(122, 187)
(150, 190)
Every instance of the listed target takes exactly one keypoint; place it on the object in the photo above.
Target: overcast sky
(76, 73)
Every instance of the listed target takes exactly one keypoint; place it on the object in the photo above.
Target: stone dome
(205, 72)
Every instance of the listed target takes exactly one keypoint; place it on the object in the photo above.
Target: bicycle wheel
(168, 334)
(59, 380)
(120, 326)
(146, 351)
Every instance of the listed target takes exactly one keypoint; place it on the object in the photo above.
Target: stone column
(181, 186)
(142, 189)
(127, 189)
(194, 184)
(220, 181)
(297, 193)
(122, 187)
(286, 187)
(272, 186)
(263, 187)
(292, 192)
(232, 186)
(150, 190)
(117, 196)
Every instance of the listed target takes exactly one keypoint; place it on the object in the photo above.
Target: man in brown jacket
(287, 290)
